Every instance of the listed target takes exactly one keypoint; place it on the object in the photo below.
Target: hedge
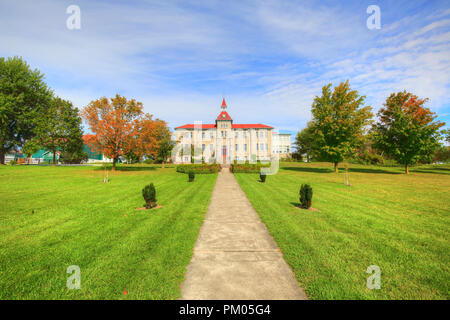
(198, 168)
(248, 167)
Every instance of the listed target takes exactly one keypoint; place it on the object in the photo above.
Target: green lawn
(400, 223)
(79, 221)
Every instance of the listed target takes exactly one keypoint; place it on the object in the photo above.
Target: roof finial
(224, 104)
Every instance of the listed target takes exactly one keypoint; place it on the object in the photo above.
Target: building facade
(282, 144)
(223, 142)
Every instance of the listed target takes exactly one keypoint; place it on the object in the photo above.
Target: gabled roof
(248, 126)
(192, 126)
(224, 116)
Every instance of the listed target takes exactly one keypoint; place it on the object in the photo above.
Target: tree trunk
(2, 157)
(406, 169)
(54, 157)
(336, 167)
(114, 164)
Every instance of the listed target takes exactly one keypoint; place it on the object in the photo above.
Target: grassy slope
(398, 222)
(79, 221)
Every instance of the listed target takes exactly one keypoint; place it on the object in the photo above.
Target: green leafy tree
(304, 142)
(406, 130)
(59, 129)
(446, 135)
(338, 124)
(442, 154)
(29, 148)
(23, 98)
(165, 143)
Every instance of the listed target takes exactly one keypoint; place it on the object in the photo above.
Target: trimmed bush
(149, 194)
(262, 177)
(247, 168)
(306, 194)
(191, 176)
(198, 168)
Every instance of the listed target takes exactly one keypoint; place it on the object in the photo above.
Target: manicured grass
(79, 221)
(400, 223)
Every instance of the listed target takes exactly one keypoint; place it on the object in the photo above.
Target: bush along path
(234, 256)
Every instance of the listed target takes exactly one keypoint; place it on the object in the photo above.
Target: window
(191, 135)
(236, 134)
(211, 148)
(203, 135)
(236, 147)
(245, 134)
(257, 147)
(203, 147)
(187, 135)
(221, 134)
(211, 135)
(267, 147)
(256, 132)
(245, 147)
(262, 146)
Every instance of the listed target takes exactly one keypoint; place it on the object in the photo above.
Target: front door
(224, 154)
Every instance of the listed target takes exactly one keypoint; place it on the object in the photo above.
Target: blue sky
(268, 58)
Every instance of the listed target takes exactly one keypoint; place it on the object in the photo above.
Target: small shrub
(191, 176)
(305, 196)
(262, 176)
(13, 162)
(149, 194)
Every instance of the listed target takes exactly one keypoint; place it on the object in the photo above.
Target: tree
(442, 154)
(115, 124)
(304, 142)
(59, 129)
(338, 122)
(406, 129)
(165, 142)
(23, 97)
(29, 148)
(446, 135)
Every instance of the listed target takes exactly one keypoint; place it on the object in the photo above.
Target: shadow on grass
(330, 170)
(306, 169)
(381, 170)
(295, 204)
(431, 170)
(372, 170)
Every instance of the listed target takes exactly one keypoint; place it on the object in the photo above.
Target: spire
(224, 104)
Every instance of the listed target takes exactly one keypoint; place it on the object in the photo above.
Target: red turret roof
(224, 116)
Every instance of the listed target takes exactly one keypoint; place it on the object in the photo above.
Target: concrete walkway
(234, 256)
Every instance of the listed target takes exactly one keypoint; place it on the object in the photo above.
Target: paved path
(234, 256)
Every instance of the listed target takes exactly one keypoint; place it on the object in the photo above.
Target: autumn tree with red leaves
(406, 130)
(114, 123)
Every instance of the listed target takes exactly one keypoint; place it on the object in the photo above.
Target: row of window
(262, 134)
(259, 147)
